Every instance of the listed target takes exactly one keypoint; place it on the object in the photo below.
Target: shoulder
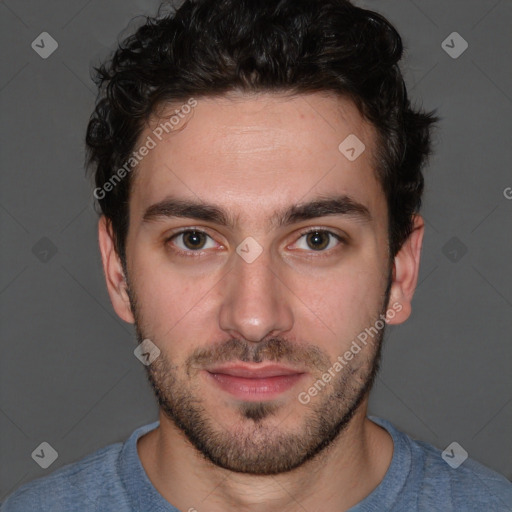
(76, 486)
(471, 486)
(430, 479)
(468, 486)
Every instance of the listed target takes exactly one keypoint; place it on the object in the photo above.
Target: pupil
(315, 240)
(193, 239)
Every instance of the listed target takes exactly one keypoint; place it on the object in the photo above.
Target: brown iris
(317, 240)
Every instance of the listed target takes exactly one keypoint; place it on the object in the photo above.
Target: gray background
(68, 373)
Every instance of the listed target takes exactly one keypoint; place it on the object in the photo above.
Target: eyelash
(198, 253)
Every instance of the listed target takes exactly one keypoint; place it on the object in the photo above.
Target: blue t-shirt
(418, 479)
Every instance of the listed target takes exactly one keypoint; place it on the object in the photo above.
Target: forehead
(253, 153)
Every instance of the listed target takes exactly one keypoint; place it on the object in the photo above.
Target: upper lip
(254, 371)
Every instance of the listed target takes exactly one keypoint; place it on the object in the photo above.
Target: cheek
(343, 303)
(173, 305)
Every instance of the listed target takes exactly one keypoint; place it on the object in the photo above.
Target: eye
(191, 240)
(319, 240)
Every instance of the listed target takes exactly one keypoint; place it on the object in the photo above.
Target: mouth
(254, 382)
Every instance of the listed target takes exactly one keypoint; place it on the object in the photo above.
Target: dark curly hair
(212, 47)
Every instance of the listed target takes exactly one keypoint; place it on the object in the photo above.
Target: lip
(254, 371)
(251, 382)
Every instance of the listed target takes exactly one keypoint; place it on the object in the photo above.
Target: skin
(252, 156)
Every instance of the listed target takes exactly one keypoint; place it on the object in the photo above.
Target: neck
(339, 477)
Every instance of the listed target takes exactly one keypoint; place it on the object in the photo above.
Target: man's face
(222, 300)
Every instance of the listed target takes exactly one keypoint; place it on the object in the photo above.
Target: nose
(255, 301)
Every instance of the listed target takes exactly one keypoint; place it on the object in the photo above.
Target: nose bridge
(254, 303)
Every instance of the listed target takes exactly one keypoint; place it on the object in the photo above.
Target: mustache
(274, 349)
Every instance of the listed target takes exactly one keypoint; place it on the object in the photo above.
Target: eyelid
(341, 238)
(323, 229)
(180, 231)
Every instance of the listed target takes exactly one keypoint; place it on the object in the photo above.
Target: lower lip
(266, 388)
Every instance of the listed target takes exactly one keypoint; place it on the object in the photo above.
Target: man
(258, 166)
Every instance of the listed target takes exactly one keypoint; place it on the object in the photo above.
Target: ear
(405, 274)
(114, 274)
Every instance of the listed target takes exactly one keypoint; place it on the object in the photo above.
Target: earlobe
(405, 273)
(114, 273)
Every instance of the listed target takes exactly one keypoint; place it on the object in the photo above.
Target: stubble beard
(253, 444)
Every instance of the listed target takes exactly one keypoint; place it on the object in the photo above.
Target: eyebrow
(321, 207)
